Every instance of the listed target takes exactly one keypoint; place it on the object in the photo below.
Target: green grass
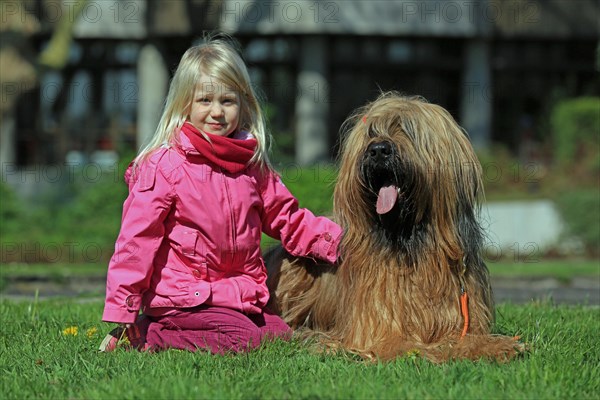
(39, 361)
(57, 271)
(559, 269)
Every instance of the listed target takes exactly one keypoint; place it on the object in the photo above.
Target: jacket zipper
(232, 216)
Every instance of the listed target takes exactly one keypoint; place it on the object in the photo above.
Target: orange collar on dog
(464, 300)
(464, 310)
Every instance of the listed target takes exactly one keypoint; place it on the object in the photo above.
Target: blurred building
(495, 65)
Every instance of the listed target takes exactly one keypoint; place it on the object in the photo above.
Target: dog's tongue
(386, 199)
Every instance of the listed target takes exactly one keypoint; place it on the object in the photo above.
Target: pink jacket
(190, 235)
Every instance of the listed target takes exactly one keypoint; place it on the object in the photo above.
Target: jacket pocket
(185, 240)
(187, 245)
(188, 259)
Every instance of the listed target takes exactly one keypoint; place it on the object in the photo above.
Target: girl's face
(215, 107)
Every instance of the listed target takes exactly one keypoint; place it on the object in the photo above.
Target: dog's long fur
(399, 279)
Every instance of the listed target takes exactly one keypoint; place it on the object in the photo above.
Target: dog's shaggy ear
(470, 232)
(470, 235)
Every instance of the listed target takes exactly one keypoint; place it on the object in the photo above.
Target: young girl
(200, 194)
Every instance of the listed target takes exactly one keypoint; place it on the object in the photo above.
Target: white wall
(521, 228)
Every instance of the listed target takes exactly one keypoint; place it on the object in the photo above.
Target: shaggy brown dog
(407, 196)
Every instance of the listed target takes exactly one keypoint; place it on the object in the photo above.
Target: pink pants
(216, 329)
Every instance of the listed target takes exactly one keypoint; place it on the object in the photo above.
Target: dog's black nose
(380, 151)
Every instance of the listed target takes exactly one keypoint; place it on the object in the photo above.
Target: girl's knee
(275, 327)
(245, 337)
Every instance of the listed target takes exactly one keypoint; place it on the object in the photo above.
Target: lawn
(559, 269)
(42, 357)
(562, 270)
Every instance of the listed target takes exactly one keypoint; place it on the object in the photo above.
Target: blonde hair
(218, 58)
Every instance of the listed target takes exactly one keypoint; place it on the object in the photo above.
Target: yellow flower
(413, 354)
(91, 332)
(70, 331)
(124, 340)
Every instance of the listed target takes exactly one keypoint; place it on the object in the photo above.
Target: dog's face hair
(410, 173)
(389, 183)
